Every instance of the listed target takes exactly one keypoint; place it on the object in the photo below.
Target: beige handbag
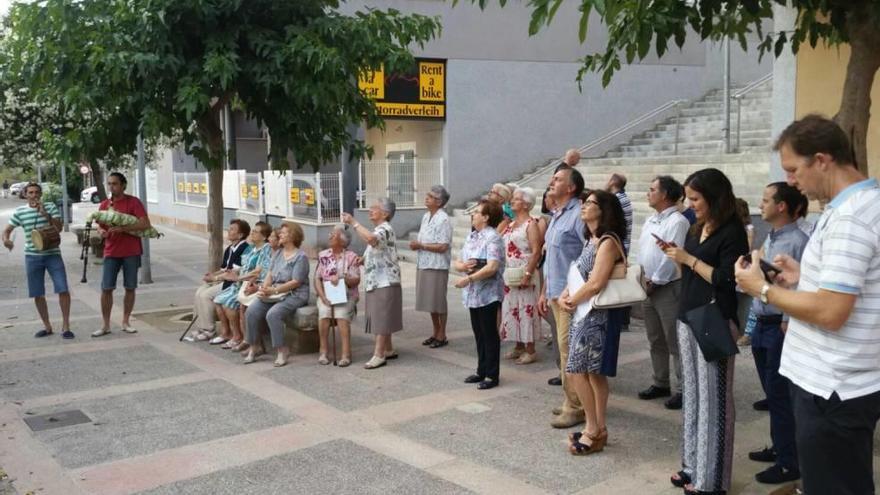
(625, 287)
(513, 276)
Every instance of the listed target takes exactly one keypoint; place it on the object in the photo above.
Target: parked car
(17, 189)
(90, 195)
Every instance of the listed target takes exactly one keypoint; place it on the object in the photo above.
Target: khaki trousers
(203, 306)
(571, 404)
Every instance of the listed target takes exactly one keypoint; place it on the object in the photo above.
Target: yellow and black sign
(294, 195)
(417, 94)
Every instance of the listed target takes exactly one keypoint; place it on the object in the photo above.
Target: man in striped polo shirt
(35, 215)
(831, 352)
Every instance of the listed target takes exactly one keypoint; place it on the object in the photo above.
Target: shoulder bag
(625, 287)
(712, 331)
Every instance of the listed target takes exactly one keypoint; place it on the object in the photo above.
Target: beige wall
(820, 77)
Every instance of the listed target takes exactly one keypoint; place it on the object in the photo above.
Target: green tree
(169, 67)
(638, 27)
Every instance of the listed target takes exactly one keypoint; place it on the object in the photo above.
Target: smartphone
(481, 262)
(770, 271)
(663, 244)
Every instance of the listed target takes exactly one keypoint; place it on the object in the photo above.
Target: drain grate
(57, 420)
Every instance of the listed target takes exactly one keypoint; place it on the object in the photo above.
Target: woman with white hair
(520, 321)
(384, 299)
(432, 263)
(337, 265)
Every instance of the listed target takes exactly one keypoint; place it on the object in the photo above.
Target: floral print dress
(519, 311)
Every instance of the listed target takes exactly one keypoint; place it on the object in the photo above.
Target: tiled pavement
(169, 418)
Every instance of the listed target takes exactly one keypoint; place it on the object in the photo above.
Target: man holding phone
(779, 207)
(831, 353)
(666, 226)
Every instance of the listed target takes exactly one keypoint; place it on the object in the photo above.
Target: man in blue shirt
(564, 241)
(779, 208)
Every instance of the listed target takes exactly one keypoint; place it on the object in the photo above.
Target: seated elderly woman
(247, 294)
(337, 265)
(285, 289)
(254, 263)
(204, 313)
(384, 299)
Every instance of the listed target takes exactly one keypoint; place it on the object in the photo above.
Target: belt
(769, 319)
(658, 286)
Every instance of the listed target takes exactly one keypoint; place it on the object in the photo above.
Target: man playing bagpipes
(122, 248)
(44, 218)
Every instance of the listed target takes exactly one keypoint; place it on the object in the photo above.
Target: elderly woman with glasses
(384, 299)
(337, 265)
(482, 262)
(432, 262)
(520, 321)
(500, 194)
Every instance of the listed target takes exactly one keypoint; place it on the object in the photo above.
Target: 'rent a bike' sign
(416, 94)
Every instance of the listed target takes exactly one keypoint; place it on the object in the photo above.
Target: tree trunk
(98, 176)
(864, 61)
(215, 217)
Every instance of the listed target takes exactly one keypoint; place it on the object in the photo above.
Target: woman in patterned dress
(337, 264)
(249, 294)
(226, 302)
(520, 321)
(587, 366)
(384, 299)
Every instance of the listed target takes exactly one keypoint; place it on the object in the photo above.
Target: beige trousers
(203, 306)
(571, 404)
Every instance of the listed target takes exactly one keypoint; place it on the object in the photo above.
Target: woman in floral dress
(520, 321)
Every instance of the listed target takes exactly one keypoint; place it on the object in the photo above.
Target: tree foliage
(636, 28)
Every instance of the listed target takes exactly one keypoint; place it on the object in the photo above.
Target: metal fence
(191, 188)
(404, 181)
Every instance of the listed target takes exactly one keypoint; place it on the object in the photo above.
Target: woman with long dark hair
(711, 249)
(592, 355)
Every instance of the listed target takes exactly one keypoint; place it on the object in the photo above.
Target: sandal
(253, 355)
(597, 445)
(514, 353)
(243, 346)
(391, 354)
(683, 479)
(322, 359)
(375, 362)
(230, 344)
(527, 358)
(344, 362)
(429, 341)
(438, 343)
(46, 333)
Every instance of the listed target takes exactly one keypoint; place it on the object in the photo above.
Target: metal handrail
(616, 132)
(739, 96)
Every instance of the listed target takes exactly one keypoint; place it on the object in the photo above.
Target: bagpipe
(111, 218)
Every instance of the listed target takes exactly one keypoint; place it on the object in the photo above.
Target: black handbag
(712, 331)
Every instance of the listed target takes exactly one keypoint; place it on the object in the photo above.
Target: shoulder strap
(617, 243)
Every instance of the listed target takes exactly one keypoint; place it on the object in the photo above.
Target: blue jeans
(129, 266)
(36, 267)
(767, 342)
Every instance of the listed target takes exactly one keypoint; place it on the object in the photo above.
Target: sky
(4, 6)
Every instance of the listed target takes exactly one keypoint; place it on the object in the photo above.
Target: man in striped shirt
(831, 352)
(36, 215)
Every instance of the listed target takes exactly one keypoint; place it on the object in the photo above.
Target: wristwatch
(764, 290)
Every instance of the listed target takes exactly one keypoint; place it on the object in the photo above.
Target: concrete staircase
(652, 153)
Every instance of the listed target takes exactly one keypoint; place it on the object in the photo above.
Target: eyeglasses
(431, 196)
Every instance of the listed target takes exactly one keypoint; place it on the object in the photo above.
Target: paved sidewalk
(166, 417)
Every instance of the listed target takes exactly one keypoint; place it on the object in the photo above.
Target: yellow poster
(189, 187)
(294, 195)
(204, 188)
(310, 196)
(372, 83)
(180, 187)
(432, 81)
(244, 191)
(255, 191)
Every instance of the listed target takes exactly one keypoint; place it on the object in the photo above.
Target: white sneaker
(204, 335)
(100, 333)
(218, 340)
(129, 329)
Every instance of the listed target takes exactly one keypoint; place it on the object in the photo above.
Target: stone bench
(301, 330)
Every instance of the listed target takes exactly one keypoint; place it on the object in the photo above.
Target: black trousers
(835, 441)
(776, 387)
(484, 322)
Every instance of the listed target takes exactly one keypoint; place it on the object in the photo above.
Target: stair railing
(739, 97)
(585, 150)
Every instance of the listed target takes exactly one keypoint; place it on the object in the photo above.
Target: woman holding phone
(707, 259)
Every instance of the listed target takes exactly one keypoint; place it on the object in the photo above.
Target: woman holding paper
(336, 284)
(590, 349)
(384, 297)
